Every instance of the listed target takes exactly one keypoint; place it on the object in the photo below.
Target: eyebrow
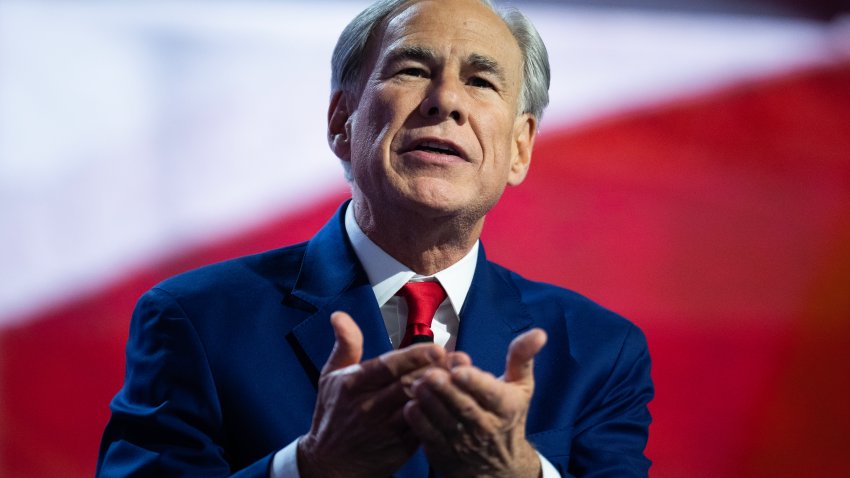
(486, 64)
(478, 62)
(417, 53)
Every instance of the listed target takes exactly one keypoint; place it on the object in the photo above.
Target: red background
(719, 224)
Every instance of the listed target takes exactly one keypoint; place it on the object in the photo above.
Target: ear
(339, 128)
(525, 131)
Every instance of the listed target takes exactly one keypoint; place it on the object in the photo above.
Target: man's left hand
(472, 423)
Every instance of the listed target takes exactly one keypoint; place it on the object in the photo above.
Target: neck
(425, 243)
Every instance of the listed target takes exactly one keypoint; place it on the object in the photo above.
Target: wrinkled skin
(372, 416)
(472, 423)
(358, 426)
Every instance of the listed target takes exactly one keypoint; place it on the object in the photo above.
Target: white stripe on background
(129, 131)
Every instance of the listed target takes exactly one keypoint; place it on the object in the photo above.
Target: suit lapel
(332, 279)
(492, 315)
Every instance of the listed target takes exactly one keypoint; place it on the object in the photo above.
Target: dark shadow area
(815, 9)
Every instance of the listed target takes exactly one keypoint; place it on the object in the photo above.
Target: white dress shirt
(387, 277)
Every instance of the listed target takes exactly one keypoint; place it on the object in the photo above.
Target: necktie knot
(423, 299)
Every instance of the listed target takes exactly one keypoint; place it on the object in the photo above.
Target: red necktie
(423, 299)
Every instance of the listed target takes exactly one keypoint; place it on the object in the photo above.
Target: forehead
(459, 27)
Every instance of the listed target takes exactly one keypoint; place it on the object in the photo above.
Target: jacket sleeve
(610, 437)
(167, 420)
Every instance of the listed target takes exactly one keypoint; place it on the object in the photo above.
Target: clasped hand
(371, 416)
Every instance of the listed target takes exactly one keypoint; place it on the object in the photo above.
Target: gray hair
(350, 53)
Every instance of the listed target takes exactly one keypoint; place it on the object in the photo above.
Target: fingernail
(408, 390)
(461, 375)
(435, 377)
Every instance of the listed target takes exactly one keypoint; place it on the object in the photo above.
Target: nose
(444, 101)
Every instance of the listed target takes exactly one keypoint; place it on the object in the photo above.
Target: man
(250, 367)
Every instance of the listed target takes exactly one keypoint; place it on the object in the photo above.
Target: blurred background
(692, 173)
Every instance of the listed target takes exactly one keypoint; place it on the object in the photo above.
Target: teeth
(437, 146)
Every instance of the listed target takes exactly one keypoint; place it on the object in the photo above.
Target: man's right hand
(358, 425)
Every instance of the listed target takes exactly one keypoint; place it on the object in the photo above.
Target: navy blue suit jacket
(223, 362)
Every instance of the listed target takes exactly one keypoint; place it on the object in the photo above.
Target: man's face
(436, 128)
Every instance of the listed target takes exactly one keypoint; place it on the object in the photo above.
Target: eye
(413, 71)
(479, 82)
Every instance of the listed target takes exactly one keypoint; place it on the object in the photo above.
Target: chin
(436, 196)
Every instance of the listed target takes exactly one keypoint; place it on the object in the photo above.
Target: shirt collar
(388, 275)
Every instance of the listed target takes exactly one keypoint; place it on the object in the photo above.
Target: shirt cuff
(549, 470)
(285, 462)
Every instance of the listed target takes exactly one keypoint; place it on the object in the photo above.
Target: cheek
(377, 122)
(496, 138)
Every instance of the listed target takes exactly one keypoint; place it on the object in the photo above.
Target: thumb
(519, 365)
(348, 348)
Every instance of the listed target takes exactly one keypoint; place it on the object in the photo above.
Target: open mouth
(440, 147)
(435, 147)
